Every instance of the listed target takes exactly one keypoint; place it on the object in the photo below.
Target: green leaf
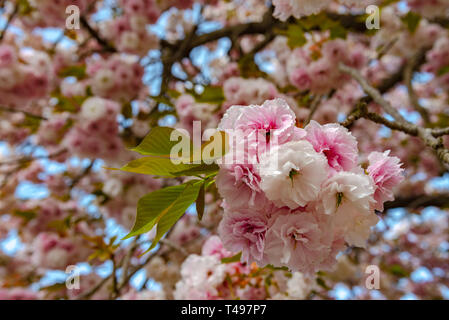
(157, 166)
(322, 22)
(127, 110)
(162, 99)
(163, 208)
(442, 71)
(157, 142)
(248, 67)
(58, 286)
(398, 271)
(173, 93)
(321, 283)
(159, 148)
(411, 19)
(210, 94)
(70, 104)
(24, 7)
(200, 202)
(207, 169)
(338, 31)
(313, 21)
(78, 72)
(232, 259)
(272, 267)
(295, 35)
(27, 215)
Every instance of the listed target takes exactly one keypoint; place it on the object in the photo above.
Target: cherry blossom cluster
(296, 200)
(117, 78)
(24, 75)
(96, 132)
(300, 191)
(438, 61)
(189, 111)
(48, 13)
(315, 70)
(207, 277)
(129, 32)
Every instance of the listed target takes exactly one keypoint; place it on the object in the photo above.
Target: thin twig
(26, 159)
(85, 172)
(372, 92)
(95, 35)
(408, 78)
(8, 22)
(402, 125)
(31, 115)
(313, 108)
(174, 246)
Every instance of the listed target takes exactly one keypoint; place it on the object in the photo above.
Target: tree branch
(107, 46)
(372, 92)
(416, 202)
(402, 124)
(8, 22)
(31, 115)
(408, 77)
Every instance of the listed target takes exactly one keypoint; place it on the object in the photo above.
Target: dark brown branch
(416, 202)
(85, 172)
(374, 93)
(26, 159)
(313, 108)
(106, 45)
(401, 124)
(8, 22)
(29, 114)
(408, 78)
(440, 132)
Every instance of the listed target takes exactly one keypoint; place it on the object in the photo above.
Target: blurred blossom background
(80, 88)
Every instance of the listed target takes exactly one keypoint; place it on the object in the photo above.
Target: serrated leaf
(207, 169)
(235, 258)
(157, 142)
(200, 202)
(163, 208)
(157, 166)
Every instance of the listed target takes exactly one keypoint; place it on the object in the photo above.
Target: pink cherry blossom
(244, 231)
(292, 174)
(298, 241)
(336, 143)
(386, 173)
